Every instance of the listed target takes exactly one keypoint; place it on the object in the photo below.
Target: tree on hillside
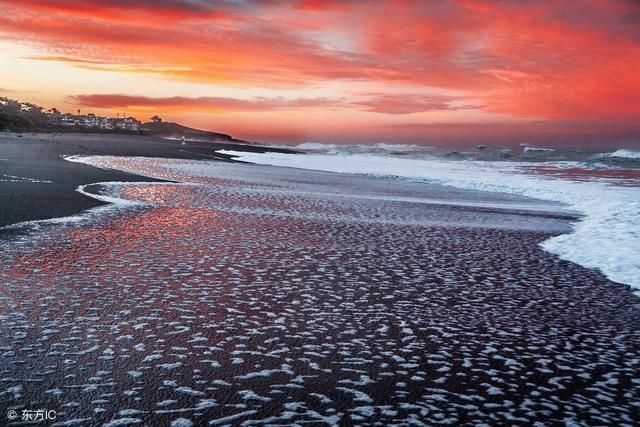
(156, 119)
(16, 115)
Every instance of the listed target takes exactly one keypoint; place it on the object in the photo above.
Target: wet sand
(262, 295)
(36, 183)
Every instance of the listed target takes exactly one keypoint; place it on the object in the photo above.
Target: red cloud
(208, 104)
(149, 12)
(543, 59)
(407, 103)
(255, 54)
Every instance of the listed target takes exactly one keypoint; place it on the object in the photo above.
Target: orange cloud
(541, 60)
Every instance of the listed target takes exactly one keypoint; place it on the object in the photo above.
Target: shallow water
(268, 295)
(606, 238)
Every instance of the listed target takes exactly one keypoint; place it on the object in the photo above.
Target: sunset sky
(545, 72)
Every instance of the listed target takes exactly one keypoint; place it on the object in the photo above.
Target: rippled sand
(259, 295)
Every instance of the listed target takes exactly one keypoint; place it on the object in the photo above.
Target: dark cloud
(211, 104)
(379, 103)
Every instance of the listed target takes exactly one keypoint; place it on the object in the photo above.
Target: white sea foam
(530, 149)
(110, 199)
(80, 159)
(381, 148)
(24, 179)
(626, 154)
(607, 238)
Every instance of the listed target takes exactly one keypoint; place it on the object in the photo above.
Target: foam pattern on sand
(236, 301)
(605, 239)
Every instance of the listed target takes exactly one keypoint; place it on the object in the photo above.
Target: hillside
(22, 116)
(19, 116)
(175, 130)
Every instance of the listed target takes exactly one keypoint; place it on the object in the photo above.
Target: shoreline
(38, 184)
(77, 205)
(603, 232)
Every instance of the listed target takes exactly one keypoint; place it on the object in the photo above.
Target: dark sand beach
(37, 183)
(261, 295)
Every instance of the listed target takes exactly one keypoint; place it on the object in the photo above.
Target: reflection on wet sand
(231, 302)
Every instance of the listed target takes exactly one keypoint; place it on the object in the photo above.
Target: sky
(428, 72)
